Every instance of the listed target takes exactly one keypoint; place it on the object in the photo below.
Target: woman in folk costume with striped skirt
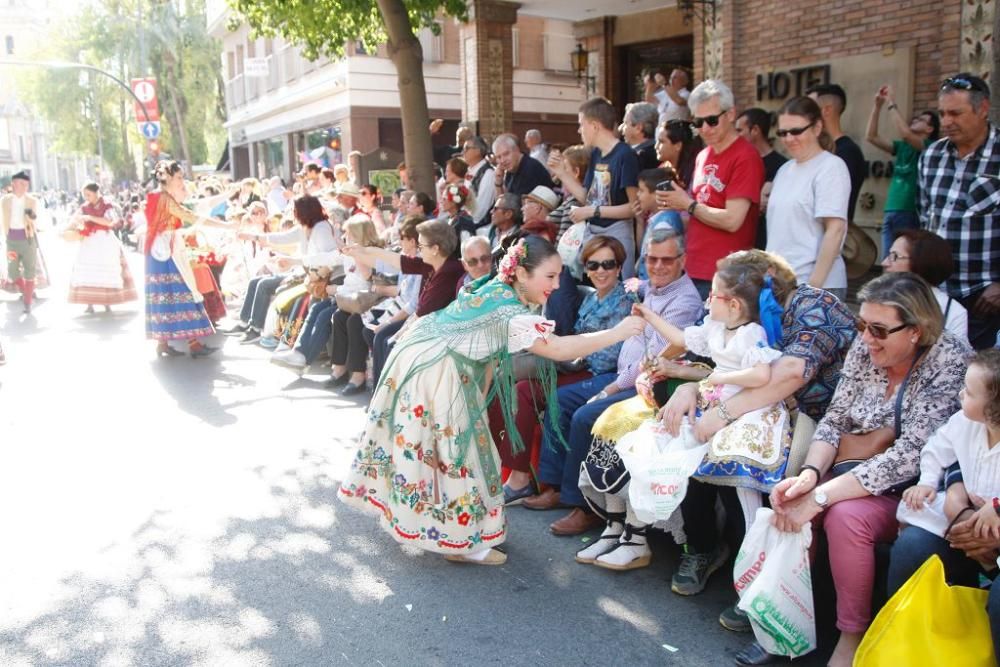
(426, 464)
(174, 307)
(101, 276)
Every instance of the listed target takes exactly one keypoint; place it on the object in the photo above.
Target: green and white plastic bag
(774, 582)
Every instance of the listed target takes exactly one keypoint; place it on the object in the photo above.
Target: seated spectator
(610, 184)
(578, 160)
(901, 200)
(929, 256)
(438, 271)
(641, 120)
(313, 235)
(900, 382)
(670, 294)
(422, 205)
(807, 209)
(969, 542)
(456, 200)
(348, 195)
(516, 172)
(477, 258)
(406, 295)
(537, 205)
(536, 149)
(648, 213)
(677, 146)
(370, 203)
(817, 331)
(602, 309)
(506, 218)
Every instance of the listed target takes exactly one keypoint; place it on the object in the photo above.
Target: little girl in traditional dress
(751, 452)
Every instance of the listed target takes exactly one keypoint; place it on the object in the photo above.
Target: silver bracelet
(724, 413)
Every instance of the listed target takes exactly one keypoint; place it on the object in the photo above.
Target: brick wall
(767, 33)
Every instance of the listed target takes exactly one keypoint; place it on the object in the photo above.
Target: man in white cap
(538, 204)
(347, 196)
(18, 212)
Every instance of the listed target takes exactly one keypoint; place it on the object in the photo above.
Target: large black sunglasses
(712, 121)
(794, 131)
(607, 265)
(878, 331)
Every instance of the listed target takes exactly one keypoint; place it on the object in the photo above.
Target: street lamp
(581, 66)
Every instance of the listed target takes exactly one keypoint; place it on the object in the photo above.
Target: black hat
(21, 176)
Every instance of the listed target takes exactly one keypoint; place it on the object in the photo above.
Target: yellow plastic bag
(928, 622)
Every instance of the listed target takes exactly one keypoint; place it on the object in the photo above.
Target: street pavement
(183, 512)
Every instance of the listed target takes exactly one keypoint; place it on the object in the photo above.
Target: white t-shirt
(17, 212)
(803, 194)
(956, 320)
(670, 110)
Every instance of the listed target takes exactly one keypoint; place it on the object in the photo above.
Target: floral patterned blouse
(600, 314)
(859, 406)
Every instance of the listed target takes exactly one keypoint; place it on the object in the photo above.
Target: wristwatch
(892, 106)
(819, 496)
(692, 207)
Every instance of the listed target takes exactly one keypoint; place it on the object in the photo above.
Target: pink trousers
(853, 528)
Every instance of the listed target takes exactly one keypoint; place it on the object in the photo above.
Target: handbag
(385, 279)
(203, 277)
(842, 467)
(928, 622)
(569, 249)
(357, 302)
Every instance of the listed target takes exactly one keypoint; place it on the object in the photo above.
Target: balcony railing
(236, 94)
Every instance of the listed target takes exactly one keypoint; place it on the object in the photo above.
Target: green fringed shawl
(480, 316)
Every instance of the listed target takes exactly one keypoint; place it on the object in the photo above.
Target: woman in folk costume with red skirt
(101, 276)
(174, 307)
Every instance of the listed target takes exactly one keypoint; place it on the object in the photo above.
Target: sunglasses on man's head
(794, 131)
(607, 265)
(878, 331)
(962, 83)
(711, 121)
(473, 262)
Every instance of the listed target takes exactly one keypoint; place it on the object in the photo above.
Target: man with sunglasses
(959, 189)
(728, 177)
(476, 258)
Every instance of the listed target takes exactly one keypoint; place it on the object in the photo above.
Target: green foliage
(324, 27)
(106, 35)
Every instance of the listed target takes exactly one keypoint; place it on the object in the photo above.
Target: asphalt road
(180, 511)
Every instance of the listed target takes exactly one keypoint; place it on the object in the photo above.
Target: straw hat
(544, 196)
(860, 252)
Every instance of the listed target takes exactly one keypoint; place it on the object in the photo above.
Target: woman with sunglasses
(604, 307)
(929, 256)
(807, 209)
(899, 383)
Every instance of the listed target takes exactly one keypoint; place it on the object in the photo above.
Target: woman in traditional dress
(101, 276)
(174, 307)
(426, 462)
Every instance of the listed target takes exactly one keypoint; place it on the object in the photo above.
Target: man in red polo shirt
(728, 177)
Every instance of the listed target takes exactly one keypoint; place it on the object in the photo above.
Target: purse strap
(898, 412)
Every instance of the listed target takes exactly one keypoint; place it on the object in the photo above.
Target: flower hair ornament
(514, 258)
(456, 194)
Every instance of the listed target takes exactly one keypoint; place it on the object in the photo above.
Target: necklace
(737, 326)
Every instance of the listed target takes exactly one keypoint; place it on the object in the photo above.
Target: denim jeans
(893, 223)
(260, 291)
(915, 545)
(560, 465)
(316, 329)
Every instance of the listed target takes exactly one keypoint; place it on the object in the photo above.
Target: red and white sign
(145, 90)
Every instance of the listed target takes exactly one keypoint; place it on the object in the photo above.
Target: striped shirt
(960, 202)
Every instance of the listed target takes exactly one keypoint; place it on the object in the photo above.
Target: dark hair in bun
(165, 169)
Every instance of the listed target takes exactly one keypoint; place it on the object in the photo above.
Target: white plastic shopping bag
(774, 582)
(659, 465)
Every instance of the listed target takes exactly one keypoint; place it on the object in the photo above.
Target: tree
(325, 27)
(182, 56)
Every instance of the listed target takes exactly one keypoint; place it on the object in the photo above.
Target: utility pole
(97, 117)
(142, 43)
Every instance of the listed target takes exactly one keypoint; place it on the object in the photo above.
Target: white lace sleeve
(526, 329)
(696, 337)
(753, 340)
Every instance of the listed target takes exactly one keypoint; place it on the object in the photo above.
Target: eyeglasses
(712, 294)
(962, 83)
(652, 259)
(794, 131)
(424, 245)
(712, 121)
(607, 265)
(473, 262)
(468, 147)
(894, 256)
(879, 331)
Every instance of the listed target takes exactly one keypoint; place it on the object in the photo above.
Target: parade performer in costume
(101, 276)
(18, 212)
(426, 462)
(174, 306)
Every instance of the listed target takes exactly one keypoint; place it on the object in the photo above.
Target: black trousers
(380, 346)
(349, 345)
(698, 510)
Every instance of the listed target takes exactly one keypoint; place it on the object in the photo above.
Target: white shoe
(631, 552)
(282, 347)
(295, 358)
(602, 545)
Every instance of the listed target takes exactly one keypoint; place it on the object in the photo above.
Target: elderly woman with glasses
(807, 209)
(607, 305)
(899, 383)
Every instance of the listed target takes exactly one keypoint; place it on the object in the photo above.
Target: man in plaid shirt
(959, 181)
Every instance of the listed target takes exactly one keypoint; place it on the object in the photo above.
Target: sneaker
(292, 358)
(282, 348)
(237, 329)
(268, 342)
(513, 497)
(251, 336)
(735, 619)
(695, 569)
